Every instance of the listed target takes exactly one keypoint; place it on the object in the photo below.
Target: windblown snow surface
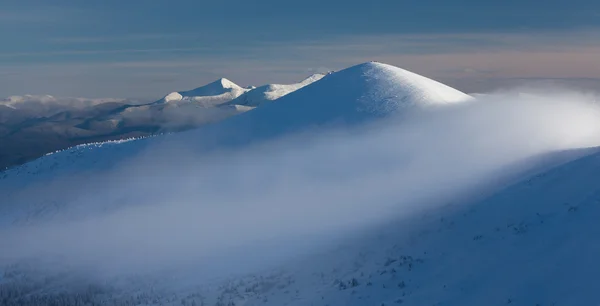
(371, 186)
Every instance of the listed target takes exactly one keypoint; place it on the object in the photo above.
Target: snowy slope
(529, 244)
(182, 110)
(206, 104)
(270, 92)
(512, 248)
(96, 120)
(358, 94)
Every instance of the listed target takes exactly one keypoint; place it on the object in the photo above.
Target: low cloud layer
(46, 105)
(229, 211)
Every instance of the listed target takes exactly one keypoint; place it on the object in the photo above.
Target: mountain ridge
(338, 167)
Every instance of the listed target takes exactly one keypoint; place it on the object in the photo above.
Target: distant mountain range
(31, 125)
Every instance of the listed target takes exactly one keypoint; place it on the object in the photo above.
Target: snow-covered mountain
(34, 125)
(370, 186)
(210, 103)
(271, 92)
(184, 109)
(357, 94)
(215, 93)
(360, 93)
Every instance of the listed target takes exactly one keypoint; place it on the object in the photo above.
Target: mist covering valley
(371, 185)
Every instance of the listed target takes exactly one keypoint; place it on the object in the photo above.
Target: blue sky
(145, 49)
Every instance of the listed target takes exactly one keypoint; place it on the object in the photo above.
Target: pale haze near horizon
(145, 50)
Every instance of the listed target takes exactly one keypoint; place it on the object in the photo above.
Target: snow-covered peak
(270, 92)
(351, 96)
(225, 83)
(215, 88)
(360, 92)
(215, 93)
(173, 97)
(412, 88)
